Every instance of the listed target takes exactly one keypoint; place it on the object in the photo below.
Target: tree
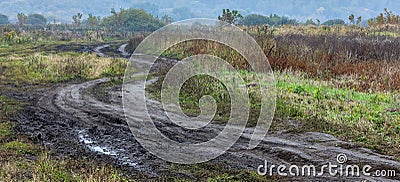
(36, 19)
(254, 19)
(318, 22)
(77, 19)
(167, 19)
(359, 19)
(380, 19)
(385, 18)
(22, 18)
(116, 17)
(4, 19)
(273, 20)
(334, 22)
(391, 18)
(278, 20)
(310, 22)
(388, 15)
(229, 16)
(351, 18)
(92, 21)
(132, 20)
(372, 22)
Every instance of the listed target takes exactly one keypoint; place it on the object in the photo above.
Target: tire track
(103, 130)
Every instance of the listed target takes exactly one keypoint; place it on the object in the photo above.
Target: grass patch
(44, 67)
(386, 33)
(371, 119)
(198, 86)
(216, 172)
(47, 169)
(19, 147)
(5, 130)
(47, 46)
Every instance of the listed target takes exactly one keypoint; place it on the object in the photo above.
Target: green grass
(45, 67)
(20, 147)
(216, 172)
(5, 130)
(336, 104)
(385, 33)
(47, 169)
(52, 46)
(371, 119)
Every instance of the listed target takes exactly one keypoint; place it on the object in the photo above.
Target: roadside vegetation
(341, 80)
(43, 67)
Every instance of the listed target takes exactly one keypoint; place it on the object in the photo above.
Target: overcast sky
(181, 9)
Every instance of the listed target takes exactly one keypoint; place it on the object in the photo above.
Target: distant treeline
(274, 20)
(234, 17)
(140, 20)
(123, 20)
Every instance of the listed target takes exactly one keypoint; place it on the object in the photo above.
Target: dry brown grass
(369, 54)
(372, 59)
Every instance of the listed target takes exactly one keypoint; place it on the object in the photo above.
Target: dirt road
(82, 119)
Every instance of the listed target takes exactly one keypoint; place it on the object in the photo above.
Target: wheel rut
(72, 119)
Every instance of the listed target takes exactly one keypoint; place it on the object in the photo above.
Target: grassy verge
(45, 67)
(371, 119)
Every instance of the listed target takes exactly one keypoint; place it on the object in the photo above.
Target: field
(340, 81)
(60, 100)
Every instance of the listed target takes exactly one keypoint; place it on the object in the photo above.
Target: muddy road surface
(87, 118)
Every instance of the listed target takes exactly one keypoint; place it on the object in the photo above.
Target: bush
(334, 22)
(4, 19)
(255, 19)
(132, 20)
(36, 19)
(55, 68)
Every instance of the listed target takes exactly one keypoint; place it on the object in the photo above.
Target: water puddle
(85, 138)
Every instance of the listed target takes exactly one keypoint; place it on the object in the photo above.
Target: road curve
(100, 127)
